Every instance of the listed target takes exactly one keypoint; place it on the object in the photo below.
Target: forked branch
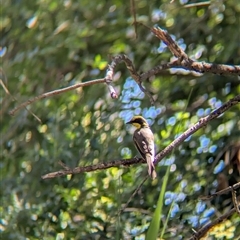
(183, 61)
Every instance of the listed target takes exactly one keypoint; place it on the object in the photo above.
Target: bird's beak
(128, 122)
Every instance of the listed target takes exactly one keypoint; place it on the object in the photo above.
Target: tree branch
(127, 162)
(101, 166)
(203, 231)
(202, 122)
(189, 64)
(133, 72)
(183, 61)
(55, 92)
(223, 191)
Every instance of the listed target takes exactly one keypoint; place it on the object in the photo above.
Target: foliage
(51, 44)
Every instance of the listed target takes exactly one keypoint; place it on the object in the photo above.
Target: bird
(143, 139)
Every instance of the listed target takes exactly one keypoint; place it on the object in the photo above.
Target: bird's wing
(144, 141)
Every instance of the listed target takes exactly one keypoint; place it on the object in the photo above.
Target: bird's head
(138, 122)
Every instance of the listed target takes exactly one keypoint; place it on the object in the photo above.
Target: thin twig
(133, 11)
(235, 201)
(223, 191)
(133, 194)
(55, 92)
(8, 92)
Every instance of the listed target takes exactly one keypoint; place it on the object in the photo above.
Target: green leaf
(155, 224)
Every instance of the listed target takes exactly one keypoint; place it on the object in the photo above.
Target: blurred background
(51, 44)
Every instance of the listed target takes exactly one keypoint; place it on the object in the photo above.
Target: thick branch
(189, 64)
(127, 162)
(201, 123)
(183, 62)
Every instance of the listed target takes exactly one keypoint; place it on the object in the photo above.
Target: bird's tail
(151, 167)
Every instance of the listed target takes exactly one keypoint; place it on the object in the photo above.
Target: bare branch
(124, 58)
(55, 92)
(223, 191)
(172, 45)
(235, 201)
(202, 122)
(158, 69)
(203, 231)
(183, 62)
(127, 162)
(133, 12)
(109, 79)
(187, 63)
(91, 168)
(132, 196)
(8, 92)
(133, 72)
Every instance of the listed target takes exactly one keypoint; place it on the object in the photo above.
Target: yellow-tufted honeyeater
(144, 141)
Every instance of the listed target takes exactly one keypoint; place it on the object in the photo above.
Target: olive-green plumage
(144, 141)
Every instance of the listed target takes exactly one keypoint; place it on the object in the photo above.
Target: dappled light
(74, 73)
